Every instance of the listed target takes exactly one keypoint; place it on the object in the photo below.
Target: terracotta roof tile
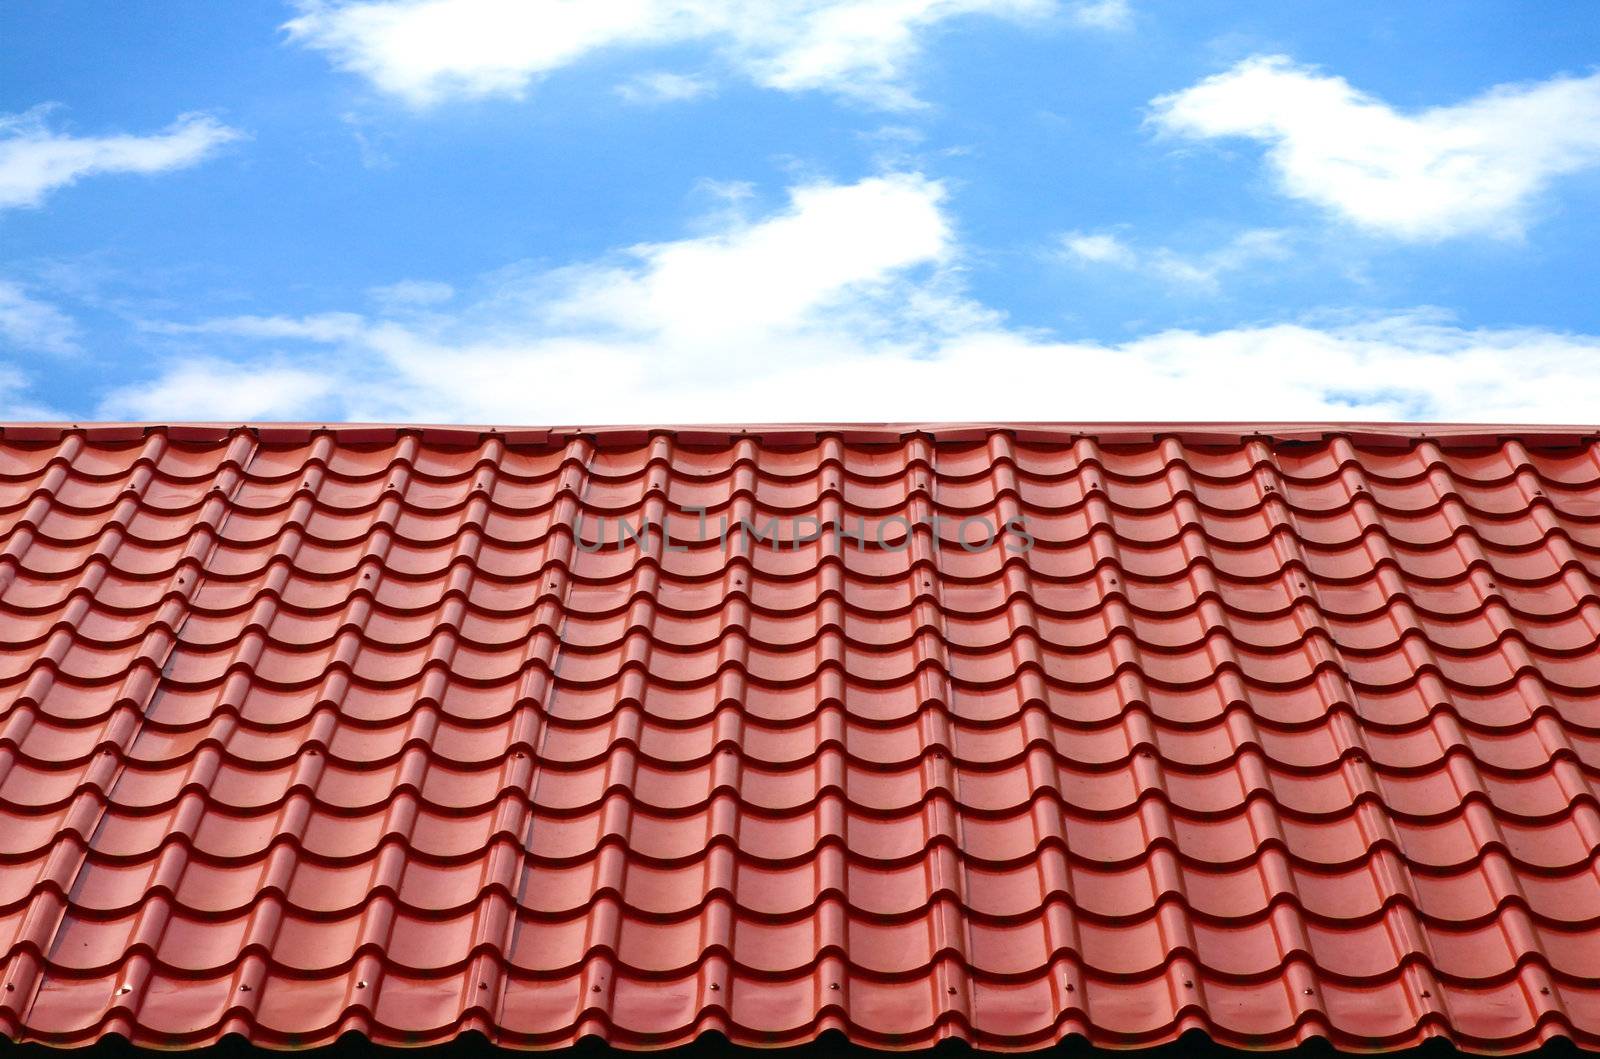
(1267, 730)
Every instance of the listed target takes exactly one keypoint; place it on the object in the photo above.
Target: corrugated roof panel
(1270, 731)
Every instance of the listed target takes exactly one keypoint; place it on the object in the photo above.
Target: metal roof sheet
(1271, 731)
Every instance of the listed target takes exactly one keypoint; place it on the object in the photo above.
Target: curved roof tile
(1003, 733)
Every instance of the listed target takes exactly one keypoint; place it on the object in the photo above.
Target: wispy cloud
(1198, 271)
(15, 404)
(323, 327)
(845, 304)
(425, 51)
(216, 390)
(1471, 167)
(30, 325)
(411, 294)
(1100, 248)
(664, 87)
(1102, 14)
(371, 144)
(35, 160)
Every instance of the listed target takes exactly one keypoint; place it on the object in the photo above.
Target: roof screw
(1070, 987)
(1188, 984)
(1544, 990)
(243, 988)
(831, 985)
(124, 990)
(483, 985)
(12, 988)
(715, 987)
(951, 990)
(594, 989)
(361, 984)
(1426, 993)
(1307, 992)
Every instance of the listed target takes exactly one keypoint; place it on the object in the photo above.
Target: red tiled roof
(1274, 732)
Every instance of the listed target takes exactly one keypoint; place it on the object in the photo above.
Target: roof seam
(571, 502)
(1196, 433)
(951, 929)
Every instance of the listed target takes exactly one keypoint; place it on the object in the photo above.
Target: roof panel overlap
(1004, 733)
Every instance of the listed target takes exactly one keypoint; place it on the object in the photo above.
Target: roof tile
(1260, 729)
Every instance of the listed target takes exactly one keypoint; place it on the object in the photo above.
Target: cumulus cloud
(845, 304)
(35, 160)
(425, 51)
(832, 242)
(29, 324)
(1473, 167)
(1197, 271)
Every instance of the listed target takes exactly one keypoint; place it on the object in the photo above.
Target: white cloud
(35, 160)
(845, 305)
(428, 50)
(754, 278)
(215, 390)
(1101, 248)
(29, 324)
(323, 327)
(15, 406)
(663, 87)
(371, 145)
(1102, 14)
(1199, 271)
(411, 293)
(1472, 167)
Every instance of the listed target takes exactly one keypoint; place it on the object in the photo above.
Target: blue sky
(530, 211)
